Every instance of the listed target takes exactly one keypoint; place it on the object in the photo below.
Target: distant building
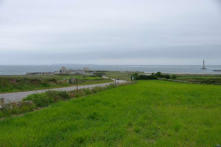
(63, 70)
(86, 69)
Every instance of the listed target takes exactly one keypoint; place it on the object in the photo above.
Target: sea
(173, 69)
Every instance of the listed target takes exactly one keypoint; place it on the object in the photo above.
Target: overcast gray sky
(110, 31)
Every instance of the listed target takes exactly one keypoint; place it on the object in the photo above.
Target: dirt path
(18, 96)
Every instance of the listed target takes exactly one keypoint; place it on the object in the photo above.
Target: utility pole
(77, 84)
(115, 82)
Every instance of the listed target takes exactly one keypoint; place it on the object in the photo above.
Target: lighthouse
(204, 65)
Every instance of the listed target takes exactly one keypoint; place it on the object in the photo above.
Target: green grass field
(148, 113)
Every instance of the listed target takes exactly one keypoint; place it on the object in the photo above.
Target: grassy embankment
(149, 113)
(202, 79)
(26, 83)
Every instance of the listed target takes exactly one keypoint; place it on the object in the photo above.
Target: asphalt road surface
(18, 96)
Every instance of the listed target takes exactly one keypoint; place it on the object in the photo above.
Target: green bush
(158, 74)
(146, 77)
(153, 76)
(99, 74)
(173, 76)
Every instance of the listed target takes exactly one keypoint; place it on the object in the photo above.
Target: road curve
(18, 96)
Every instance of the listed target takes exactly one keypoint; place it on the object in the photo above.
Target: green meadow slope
(149, 113)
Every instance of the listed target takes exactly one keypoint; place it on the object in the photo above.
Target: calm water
(192, 69)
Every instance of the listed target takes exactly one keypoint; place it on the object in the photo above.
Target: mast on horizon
(204, 65)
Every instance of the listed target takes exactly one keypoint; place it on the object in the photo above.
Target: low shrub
(87, 91)
(17, 108)
(153, 76)
(146, 77)
(96, 89)
(45, 99)
(160, 75)
(80, 93)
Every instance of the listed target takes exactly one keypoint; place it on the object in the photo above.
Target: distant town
(64, 70)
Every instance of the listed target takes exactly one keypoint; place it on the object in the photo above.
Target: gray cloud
(110, 32)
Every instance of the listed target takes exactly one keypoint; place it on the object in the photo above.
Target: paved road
(18, 96)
